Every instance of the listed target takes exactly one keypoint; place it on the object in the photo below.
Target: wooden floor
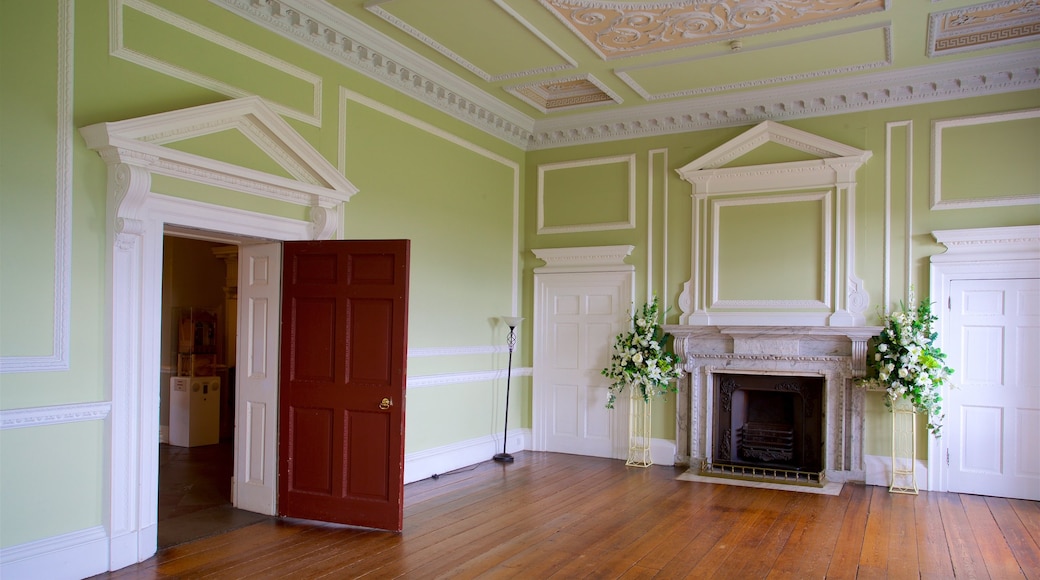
(564, 516)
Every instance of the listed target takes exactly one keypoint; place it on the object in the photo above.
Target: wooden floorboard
(563, 516)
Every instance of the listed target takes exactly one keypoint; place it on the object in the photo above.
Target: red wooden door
(341, 402)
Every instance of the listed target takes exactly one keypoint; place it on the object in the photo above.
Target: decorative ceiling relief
(559, 94)
(983, 26)
(622, 29)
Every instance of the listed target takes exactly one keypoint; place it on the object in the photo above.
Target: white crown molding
(58, 360)
(893, 88)
(54, 415)
(356, 46)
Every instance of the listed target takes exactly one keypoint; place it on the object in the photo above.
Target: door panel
(578, 316)
(994, 406)
(259, 290)
(342, 394)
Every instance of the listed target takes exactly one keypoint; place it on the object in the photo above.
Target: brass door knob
(386, 403)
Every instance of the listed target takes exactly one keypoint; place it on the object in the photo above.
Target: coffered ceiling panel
(487, 38)
(820, 57)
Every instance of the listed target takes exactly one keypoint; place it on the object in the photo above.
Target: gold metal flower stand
(639, 430)
(904, 447)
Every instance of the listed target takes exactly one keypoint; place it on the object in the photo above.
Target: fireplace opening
(768, 427)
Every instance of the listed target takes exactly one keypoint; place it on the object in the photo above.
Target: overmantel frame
(134, 150)
(832, 177)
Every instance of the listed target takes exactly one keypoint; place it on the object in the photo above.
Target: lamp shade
(512, 321)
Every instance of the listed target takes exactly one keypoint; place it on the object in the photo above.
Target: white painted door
(256, 407)
(577, 317)
(993, 413)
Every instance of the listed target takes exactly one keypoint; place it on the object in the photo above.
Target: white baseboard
(74, 555)
(662, 451)
(879, 471)
(439, 460)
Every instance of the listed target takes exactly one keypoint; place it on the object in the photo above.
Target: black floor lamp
(512, 322)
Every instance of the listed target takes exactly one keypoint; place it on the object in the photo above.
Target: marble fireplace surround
(838, 354)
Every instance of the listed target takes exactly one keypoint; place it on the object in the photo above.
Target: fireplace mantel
(838, 354)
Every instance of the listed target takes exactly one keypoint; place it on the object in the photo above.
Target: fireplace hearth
(772, 403)
(771, 422)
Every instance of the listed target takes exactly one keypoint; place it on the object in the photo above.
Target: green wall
(422, 175)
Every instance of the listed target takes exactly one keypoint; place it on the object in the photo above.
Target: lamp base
(503, 458)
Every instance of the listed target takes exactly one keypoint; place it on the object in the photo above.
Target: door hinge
(947, 457)
(949, 302)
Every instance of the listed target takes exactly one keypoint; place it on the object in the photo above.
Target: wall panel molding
(346, 96)
(118, 48)
(628, 223)
(58, 360)
(938, 126)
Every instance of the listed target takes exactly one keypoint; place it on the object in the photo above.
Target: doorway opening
(197, 389)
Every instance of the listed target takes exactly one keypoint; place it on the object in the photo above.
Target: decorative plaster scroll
(617, 29)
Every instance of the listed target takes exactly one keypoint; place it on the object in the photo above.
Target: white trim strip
(454, 350)
(471, 377)
(54, 415)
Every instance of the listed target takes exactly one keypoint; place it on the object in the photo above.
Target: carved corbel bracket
(129, 181)
(324, 222)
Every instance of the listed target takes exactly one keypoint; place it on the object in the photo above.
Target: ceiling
(549, 73)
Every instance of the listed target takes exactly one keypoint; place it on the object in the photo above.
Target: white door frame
(134, 151)
(571, 265)
(974, 254)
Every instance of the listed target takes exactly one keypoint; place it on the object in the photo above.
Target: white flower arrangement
(908, 364)
(640, 359)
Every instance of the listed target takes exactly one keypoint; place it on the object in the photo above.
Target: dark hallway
(195, 493)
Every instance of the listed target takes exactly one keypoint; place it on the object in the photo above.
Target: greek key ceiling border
(983, 26)
(624, 29)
